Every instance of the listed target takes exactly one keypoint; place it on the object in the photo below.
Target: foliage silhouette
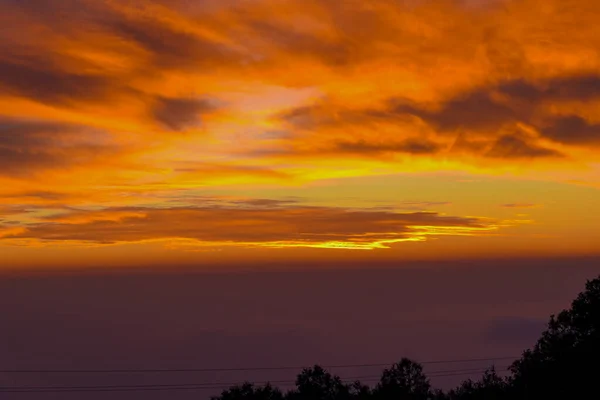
(249, 391)
(563, 364)
(359, 391)
(490, 387)
(317, 384)
(564, 361)
(404, 380)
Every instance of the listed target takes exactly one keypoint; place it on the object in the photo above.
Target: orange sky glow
(245, 131)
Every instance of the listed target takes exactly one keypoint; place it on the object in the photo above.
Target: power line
(274, 368)
(433, 373)
(195, 386)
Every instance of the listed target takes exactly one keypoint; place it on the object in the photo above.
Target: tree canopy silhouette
(249, 391)
(564, 361)
(490, 387)
(563, 364)
(404, 380)
(317, 384)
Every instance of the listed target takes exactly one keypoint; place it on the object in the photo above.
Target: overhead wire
(203, 385)
(234, 369)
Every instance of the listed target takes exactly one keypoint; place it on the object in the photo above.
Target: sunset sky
(241, 132)
(265, 183)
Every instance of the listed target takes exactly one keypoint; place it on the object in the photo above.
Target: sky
(245, 132)
(201, 184)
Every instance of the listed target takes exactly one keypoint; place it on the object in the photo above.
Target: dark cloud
(49, 11)
(422, 204)
(22, 134)
(475, 110)
(230, 170)
(519, 330)
(47, 75)
(267, 203)
(39, 81)
(573, 130)
(43, 195)
(26, 146)
(29, 146)
(307, 117)
(284, 38)
(480, 110)
(583, 87)
(464, 143)
(521, 90)
(169, 48)
(296, 224)
(326, 115)
(478, 119)
(512, 147)
(519, 205)
(7, 210)
(412, 146)
(180, 113)
(19, 163)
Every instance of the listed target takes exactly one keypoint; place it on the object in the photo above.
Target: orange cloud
(256, 222)
(106, 106)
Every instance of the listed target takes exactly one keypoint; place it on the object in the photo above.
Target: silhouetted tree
(564, 364)
(404, 381)
(248, 391)
(439, 395)
(317, 384)
(490, 387)
(359, 391)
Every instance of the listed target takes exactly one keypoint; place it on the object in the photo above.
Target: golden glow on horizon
(403, 127)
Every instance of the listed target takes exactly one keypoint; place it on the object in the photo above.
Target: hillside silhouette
(563, 364)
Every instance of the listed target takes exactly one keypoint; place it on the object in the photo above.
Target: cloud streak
(254, 222)
(520, 205)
